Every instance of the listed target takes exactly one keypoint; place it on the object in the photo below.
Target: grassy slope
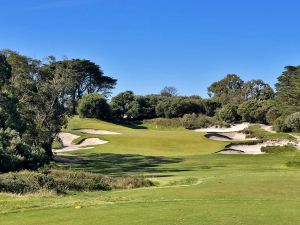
(225, 189)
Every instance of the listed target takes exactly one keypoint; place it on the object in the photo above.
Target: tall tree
(258, 90)
(84, 77)
(288, 90)
(169, 91)
(227, 90)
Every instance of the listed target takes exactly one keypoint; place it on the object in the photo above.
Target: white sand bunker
(93, 131)
(67, 139)
(228, 136)
(253, 149)
(233, 128)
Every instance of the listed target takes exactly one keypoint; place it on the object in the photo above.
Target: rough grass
(57, 144)
(206, 188)
(257, 131)
(278, 149)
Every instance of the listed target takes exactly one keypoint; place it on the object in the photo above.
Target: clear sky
(148, 44)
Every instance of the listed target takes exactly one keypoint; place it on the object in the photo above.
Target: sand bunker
(233, 128)
(228, 136)
(267, 128)
(93, 131)
(67, 139)
(253, 149)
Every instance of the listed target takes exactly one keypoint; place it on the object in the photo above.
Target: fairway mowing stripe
(162, 187)
(151, 201)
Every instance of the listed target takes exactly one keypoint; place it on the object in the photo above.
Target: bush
(272, 115)
(93, 106)
(61, 181)
(292, 122)
(278, 149)
(255, 111)
(279, 124)
(228, 113)
(194, 121)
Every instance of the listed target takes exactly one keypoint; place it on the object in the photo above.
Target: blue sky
(148, 44)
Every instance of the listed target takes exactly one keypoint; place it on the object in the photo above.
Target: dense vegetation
(35, 99)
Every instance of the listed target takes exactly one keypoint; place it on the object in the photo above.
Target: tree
(227, 90)
(5, 70)
(84, 77)
(288, 90)
(228, 113)
(31, 109)
(255, 111)
(169, 91)
(122, 103)
(172, 107)
(258, 90)
(93, 106)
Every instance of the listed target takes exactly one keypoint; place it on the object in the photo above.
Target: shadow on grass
(119, 164)
(133, 124)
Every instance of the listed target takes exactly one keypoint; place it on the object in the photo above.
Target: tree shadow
(133, 124)
(119, 164)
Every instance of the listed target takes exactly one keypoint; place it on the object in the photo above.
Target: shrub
(93, 106)
(255, 110)
(278, 149)
(272, 115)
(228, 113)
(279, 124)
(61, 181)
(194, 121)
(292, 122)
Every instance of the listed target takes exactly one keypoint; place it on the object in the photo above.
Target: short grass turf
(196, 186)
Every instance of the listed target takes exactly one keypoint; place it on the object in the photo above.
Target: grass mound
(278, 149)
(62, 181)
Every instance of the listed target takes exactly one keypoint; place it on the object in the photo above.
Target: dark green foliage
(255, 111)
(227, 90)
(228, 113)
(93, 106)
(288, 90)
(84, 77)
(122, 103)
(272, 115)
(292, 122)
(232, 89)
(279, 124)
(178, 106)
(194, 121)
(278, 149)
(61, 181)
(169, 91)
(5, 70)
(257, 90)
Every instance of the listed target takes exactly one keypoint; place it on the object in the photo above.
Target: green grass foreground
(196, 186)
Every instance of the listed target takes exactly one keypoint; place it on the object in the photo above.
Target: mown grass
(196, 186)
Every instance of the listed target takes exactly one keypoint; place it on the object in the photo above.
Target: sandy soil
(267, 128)
(228, 136)
(67, 139)
(233, 128)
(93, 131)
